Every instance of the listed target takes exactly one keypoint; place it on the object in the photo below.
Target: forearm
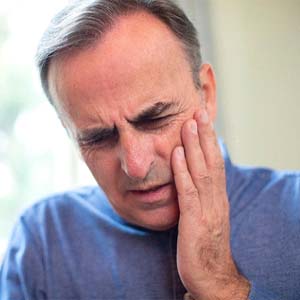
(238, 289)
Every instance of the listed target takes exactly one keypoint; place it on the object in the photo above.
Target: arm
(256, 293)
(21, 269)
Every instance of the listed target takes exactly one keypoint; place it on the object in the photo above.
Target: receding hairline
(63, 57)
(68, 52)
(80, 25)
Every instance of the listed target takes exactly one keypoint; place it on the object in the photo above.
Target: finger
(194, 156)
(188, 197)
(196, 165)
(213, 157)
(209, 145)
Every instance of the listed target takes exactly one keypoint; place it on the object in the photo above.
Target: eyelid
(157, 118)
(88, 141)
(161, 117)
(101, 144)
(98, 139)
(154, 123)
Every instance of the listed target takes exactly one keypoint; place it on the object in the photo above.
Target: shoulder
(247, 183)
(64, 200)
(62, 209)
(266, 190)
(266, 180)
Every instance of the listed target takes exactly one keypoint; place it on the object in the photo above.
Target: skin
(145, 131)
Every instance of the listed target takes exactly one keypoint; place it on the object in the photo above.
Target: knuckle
(217, 167)
(191, 192)
(205, 178)
(217, 230)
(219, 164)
(210, 132)
(181, 173)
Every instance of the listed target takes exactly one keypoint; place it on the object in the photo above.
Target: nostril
(136, 164)
(135, 167)
(135, 154)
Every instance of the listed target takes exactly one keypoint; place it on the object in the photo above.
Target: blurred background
(253, 45)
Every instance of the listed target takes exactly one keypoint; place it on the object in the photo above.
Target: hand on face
(204, 259)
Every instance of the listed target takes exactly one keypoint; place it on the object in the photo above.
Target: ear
(208, 90)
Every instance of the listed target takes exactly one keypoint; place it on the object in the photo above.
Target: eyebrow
(153, 111)
(92, 134)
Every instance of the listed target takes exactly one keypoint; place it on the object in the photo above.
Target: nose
(136, 155)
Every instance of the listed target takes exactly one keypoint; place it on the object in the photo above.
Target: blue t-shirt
(74, 246)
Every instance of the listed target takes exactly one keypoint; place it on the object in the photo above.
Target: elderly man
(174, 218)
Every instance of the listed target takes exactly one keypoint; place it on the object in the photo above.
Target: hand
(204, 259)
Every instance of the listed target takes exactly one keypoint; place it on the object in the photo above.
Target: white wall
(254, 47)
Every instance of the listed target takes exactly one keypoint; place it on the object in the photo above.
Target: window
(36, 156)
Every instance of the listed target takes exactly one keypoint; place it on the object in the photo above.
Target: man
(128, 84)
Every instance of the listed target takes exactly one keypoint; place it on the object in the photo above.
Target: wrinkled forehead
(138, 57)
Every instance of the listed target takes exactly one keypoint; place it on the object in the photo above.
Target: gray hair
(83, 22)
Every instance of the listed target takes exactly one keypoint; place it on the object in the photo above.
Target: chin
(162, 227)
(159, 220)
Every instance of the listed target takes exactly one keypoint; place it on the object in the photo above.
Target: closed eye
(102, 142)
(153, 123)
(103, 139)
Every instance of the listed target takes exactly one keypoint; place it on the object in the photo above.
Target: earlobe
(208, 90)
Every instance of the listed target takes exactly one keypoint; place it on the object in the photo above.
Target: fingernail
(180, 153)
(204, 116)
(193, 127)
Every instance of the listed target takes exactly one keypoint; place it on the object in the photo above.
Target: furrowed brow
(88, 135)
(153, 111)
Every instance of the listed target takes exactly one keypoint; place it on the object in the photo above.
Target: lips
(157, 195)
(150, 189)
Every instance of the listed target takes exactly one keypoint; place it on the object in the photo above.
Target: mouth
(149, 189)
(154, 194)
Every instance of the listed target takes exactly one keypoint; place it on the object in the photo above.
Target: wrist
(236, 289)
(239, 290)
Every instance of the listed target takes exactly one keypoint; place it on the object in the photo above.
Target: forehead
(138, 61)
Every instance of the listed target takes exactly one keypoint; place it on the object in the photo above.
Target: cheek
(103, 166)
(168, 140)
